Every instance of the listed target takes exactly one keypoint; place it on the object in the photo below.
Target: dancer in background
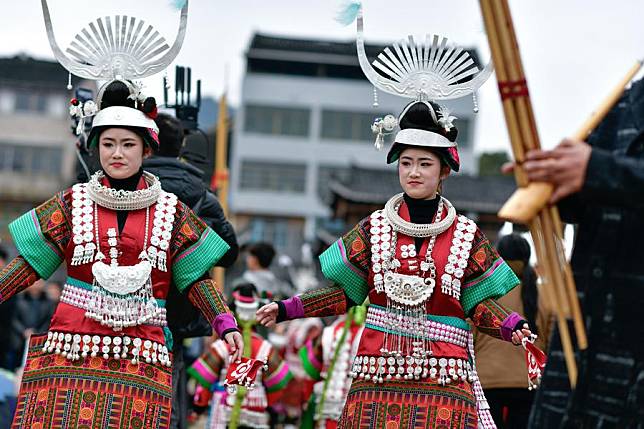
(244, 408)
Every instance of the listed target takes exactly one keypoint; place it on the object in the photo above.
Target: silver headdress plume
(117, 48)
(428, 70)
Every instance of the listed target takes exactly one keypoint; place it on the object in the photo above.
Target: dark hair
(244, 289)
(170, 135)
(264, 252)
(418, 116)
(513, 247)
(116, 94)
(3, 253)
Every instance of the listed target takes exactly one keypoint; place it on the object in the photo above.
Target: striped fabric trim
(498, 280)
(202, 372)
(43, 256)
(447, 320)
(311, 365)
(192, 263)
(278, 379)
(337, 268)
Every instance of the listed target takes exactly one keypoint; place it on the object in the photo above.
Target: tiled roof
(26, 70)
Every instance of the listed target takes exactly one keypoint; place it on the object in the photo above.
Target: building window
(285, 121)
(283, 233)
(346, 125)
(27, 101)
(43, 161)
(266, 176)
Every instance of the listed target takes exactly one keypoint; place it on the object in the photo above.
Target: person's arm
(213, 215)
(16, 277)
(346, 264)
(614, 179)
(494, 319)
(195, 249)
(41, 236)
(487, 276)
(596, 175)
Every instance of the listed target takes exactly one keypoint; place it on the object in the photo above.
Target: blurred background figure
(246, 408)
(32, 313)
(259, 257)
(328, 361)
(502, 366)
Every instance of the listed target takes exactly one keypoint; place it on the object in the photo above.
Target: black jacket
(185, 181)
(608, 266)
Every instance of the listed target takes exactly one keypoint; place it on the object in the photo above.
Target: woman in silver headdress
(423, 268)
(105, 361)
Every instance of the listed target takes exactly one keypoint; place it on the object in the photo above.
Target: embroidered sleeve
(208, 299)
(495, 320)
(207, 367)
(42, 234)
(311, 358)
(486, 275)
(346, 262)
(277, 376)
(195, 247)
(328, 301)
(16, 277)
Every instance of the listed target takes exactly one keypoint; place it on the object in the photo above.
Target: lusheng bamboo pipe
(522, 128)
(529, 199)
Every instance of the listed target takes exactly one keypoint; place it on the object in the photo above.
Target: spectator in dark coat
(600, 187)
(32, 313)
(7, 355)
(186, 182)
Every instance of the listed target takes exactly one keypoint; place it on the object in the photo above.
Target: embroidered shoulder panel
(42, 234)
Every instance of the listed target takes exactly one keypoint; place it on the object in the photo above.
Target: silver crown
(117, 47)
(422, 70)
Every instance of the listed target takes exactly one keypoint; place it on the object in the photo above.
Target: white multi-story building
(36, 144)
(306, 113)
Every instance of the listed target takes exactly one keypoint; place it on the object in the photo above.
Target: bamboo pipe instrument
(528, 200)
(523, 136)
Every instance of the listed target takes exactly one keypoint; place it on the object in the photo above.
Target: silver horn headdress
(422, 70)
(117, 47)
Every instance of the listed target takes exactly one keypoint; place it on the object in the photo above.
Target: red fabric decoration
(536, 362)
(454, 153)
(243, 373)
(74, 102)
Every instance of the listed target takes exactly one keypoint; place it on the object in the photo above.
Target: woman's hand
(519, 334)
(267, 315)
(236, 343)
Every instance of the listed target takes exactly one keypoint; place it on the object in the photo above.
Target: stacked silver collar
(113, 199)
(413, 229)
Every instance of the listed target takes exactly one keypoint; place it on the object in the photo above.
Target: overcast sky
(573, 51)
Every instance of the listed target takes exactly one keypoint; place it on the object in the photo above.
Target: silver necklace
(415, 229)
(123, 200)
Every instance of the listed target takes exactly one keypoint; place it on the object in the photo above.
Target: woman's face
(121, 152)
(420, 172)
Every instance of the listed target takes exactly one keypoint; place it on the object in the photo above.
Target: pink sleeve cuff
(509, 324)
(294, 308)
(224, 322)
